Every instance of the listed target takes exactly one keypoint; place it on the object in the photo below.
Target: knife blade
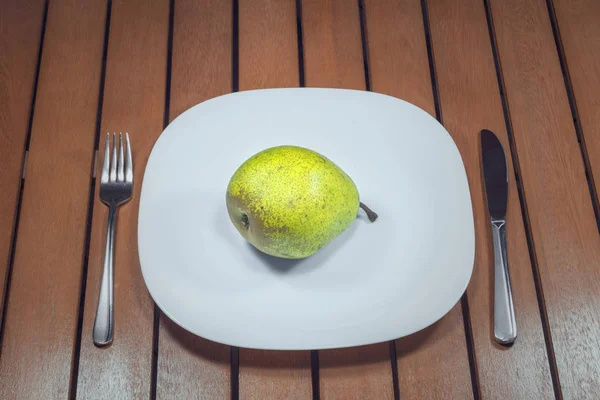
(496, 189)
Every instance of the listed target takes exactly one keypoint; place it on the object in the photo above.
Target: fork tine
(121, 166)
(113, 161)
(129, 161)
(106, 162)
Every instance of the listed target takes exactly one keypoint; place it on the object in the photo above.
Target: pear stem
(372, 215)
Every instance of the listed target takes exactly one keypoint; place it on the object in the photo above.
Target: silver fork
(116, 187)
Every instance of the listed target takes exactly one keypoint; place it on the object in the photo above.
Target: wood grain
(432, 363)
(333, 58)
(363, 372)
(332, 44)
(470, 101)
(268, 47)
(20, 32)
(134, 101)
(580, 36)
(275, 374)
(41, 319)
(190, 367)
(398, 52)
(565, 235)
(268, 57)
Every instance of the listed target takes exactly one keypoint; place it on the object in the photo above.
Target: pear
(290, 201)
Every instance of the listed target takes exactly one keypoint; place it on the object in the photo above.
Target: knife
(496, 189)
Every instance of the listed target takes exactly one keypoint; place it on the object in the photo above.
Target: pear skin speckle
(290, 201)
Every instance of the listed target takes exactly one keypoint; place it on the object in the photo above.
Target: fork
(116, 187)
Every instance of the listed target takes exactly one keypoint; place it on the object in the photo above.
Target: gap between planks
(464, 299)
(524, 210)
(574, 111)
(166, 113)
(90, 213)
(17, 215)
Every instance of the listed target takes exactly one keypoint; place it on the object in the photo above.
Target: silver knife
(496, 188)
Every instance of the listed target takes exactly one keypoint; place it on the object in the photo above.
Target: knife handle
(505, 326)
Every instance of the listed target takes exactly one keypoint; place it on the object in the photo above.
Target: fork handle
(104, 323)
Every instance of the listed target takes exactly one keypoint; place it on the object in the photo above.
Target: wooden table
(72, 70)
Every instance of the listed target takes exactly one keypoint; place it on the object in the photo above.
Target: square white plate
(375, 282)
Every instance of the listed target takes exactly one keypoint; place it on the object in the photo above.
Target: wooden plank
(398, 52)
(268, 57)
(332, 44)
(432, 363)
(564, 230)
(275, 374)
(41, 317)
(363, 372)
(20, 31)
(463, 54)
(190, 367)
(134, 95)
(580, 37)
(334, 58)
(268, 48)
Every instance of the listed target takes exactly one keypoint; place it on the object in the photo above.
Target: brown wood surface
(268, 57)
(398, 52)
(20, 32)
(190, 367)
(580, 35)
(268, 46)
(332, 44)
(565, 234)
(40, 327)
(134, 102)
(266, 374)
(41, 318)
(432, 363)
(363, 372)
(333, 57)
(470, 101)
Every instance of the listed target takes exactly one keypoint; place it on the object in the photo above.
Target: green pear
(289, 201)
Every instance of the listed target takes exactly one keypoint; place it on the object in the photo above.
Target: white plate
(375, 282)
